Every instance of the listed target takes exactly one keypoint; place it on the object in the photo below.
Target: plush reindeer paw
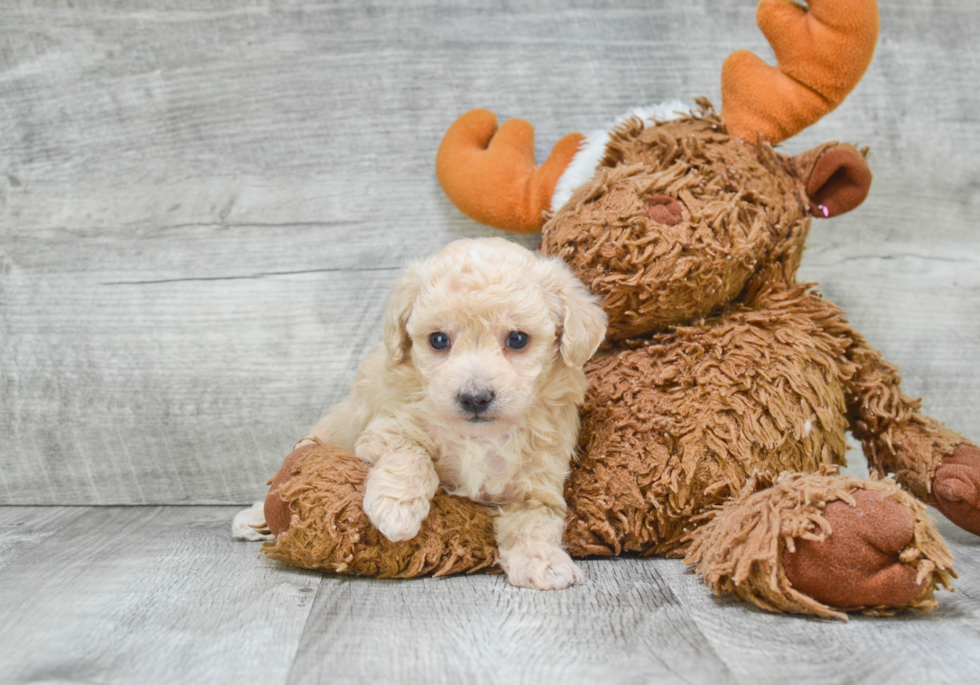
(276, 511)
(956, 488)
(861, 562)
(819, 543)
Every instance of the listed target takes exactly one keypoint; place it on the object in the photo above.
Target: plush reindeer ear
(839, 180)
(395, 335)
(581, 321)
(490, 174)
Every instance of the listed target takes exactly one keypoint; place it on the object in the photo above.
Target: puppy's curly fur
(476, 388)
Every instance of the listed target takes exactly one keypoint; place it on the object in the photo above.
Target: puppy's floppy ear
(395, 336)
(580, 319)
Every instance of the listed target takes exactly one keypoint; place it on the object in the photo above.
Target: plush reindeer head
(667, 218)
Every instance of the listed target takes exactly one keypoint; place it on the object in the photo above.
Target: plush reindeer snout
(664, 210)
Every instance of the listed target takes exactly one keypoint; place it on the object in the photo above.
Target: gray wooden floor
(163, 595)
(203, 207)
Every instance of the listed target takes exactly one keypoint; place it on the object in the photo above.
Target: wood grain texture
(623, 625)
(22, 529)
(162, 595)
(939, 647)
(144, 595)
(203, 206)
(634, 621)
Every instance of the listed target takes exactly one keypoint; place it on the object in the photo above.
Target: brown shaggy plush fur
(652, 276)
(677, 422)
(719, 403)
(329, 530)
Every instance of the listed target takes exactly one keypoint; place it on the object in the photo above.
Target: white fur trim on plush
(593, 148)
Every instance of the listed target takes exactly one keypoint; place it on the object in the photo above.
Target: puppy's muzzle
(476, 402)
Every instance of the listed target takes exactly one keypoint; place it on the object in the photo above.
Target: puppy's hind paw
(249, 524)
(549, 568)
(397, 519)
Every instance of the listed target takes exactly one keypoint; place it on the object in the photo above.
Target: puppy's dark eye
(516, 340)
(439, 341)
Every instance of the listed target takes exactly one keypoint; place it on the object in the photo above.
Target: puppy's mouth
(480, 418)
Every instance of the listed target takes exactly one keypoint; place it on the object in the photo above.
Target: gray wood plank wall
(203, 206)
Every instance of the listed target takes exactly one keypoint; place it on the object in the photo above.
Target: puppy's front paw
(542, 568)
(397, 519)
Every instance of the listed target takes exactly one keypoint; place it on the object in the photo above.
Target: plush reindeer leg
(315, 509)
(936, 464)
(823, 544)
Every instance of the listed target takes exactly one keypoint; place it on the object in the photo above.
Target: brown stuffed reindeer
(718, 405)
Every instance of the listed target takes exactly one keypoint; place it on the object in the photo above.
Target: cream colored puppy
(476, 388)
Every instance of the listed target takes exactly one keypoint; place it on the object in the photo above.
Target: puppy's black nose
(475, 401)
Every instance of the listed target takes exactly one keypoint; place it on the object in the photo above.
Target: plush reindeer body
(718, 406)
(720, 366)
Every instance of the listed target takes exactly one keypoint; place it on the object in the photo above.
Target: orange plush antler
(490, 175)
(822, 53)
